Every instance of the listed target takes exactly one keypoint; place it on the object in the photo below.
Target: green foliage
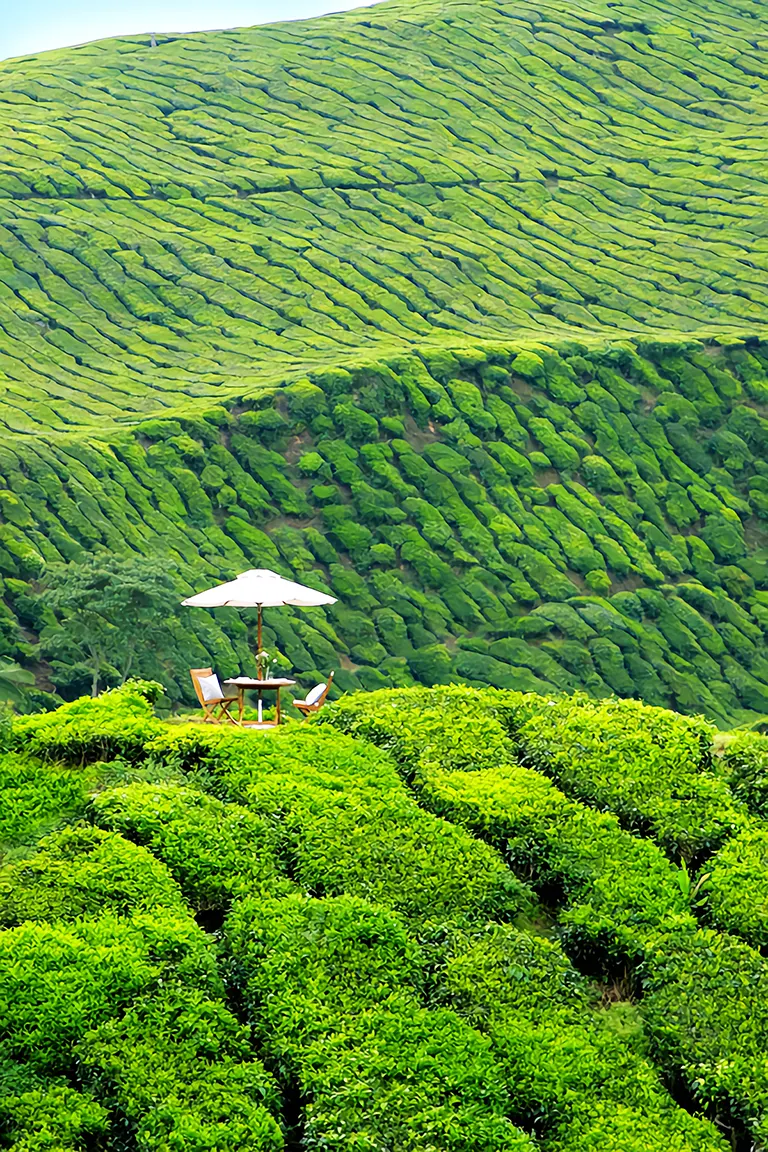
(744, 761)
(736, 886)
(59, 981)
(15, 681)
(177, 1066)
(705, 1005)
(81, 871)
(118, 723)
(575, 1075)
(35, 796)
(618, 889)
(332, 988)
(213, 849)
(41, 1114)
(513, 415)
(346, 824)
(108, 611)
(442, 525)
(619, 898)
(653, 768)
(368, 936)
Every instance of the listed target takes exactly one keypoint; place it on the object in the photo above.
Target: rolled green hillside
(457, 310)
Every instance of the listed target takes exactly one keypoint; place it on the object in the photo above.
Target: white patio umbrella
(259, 588)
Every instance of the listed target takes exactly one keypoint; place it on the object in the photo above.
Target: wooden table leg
(240, 704)
(277, 707)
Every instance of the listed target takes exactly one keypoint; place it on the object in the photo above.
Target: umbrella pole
(258, 659)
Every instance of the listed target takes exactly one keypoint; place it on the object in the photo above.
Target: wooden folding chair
(214, 703)
(315, 698)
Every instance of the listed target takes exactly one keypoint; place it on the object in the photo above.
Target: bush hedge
(617, 888)
(580, 1078)
(622, 897)
(332, 988)
(117, 724)
(213, 849)
(346, 823)
(652, 767)
(82, 871)
(381, 937)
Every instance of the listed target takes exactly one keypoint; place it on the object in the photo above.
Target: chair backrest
(316, 696)
(207, 687)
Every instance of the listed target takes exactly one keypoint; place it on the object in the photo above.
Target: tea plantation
(455, 310)
(409, 924)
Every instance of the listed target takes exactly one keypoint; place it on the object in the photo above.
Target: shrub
(652, 767)
(573, 1076)
(331, 988)
(57, 982)
(348, 825)
(618, 890)
(40, 1115)
(706, 1006)
(177, 1067)
(213, 849)
(35, 796)
(82, 871)
(119, 723)
(736, 887)
(744, 761)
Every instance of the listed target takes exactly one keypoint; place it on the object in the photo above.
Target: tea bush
(651, 767)
(745, 764)
(177, 1067)
(620, 899)
(736, 886)
(578, 1076)
(213, 849)
(34, 797)
(135, 1004)
(381, 937)
(617, 888)
(346, 823)
(332, 988)
(118, 723)
(81, 871)
(705, 1005)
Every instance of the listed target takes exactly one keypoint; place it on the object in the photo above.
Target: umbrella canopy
(259, 588)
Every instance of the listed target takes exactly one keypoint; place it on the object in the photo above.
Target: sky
(29, 26)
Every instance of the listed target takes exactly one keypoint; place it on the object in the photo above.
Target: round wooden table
(245, 684)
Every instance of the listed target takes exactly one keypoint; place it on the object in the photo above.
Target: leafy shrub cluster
(115, 1026)
(455, 552)
(736, 886)
(579, 1078)
(82, 871)
(213, 849)
(32, 800)
(355, 919)
(745, 763)
(333, 986)
(652, 767)
(117, 724)
(343, 821)
(621, 895)
(134, 1005)
(455, 745)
